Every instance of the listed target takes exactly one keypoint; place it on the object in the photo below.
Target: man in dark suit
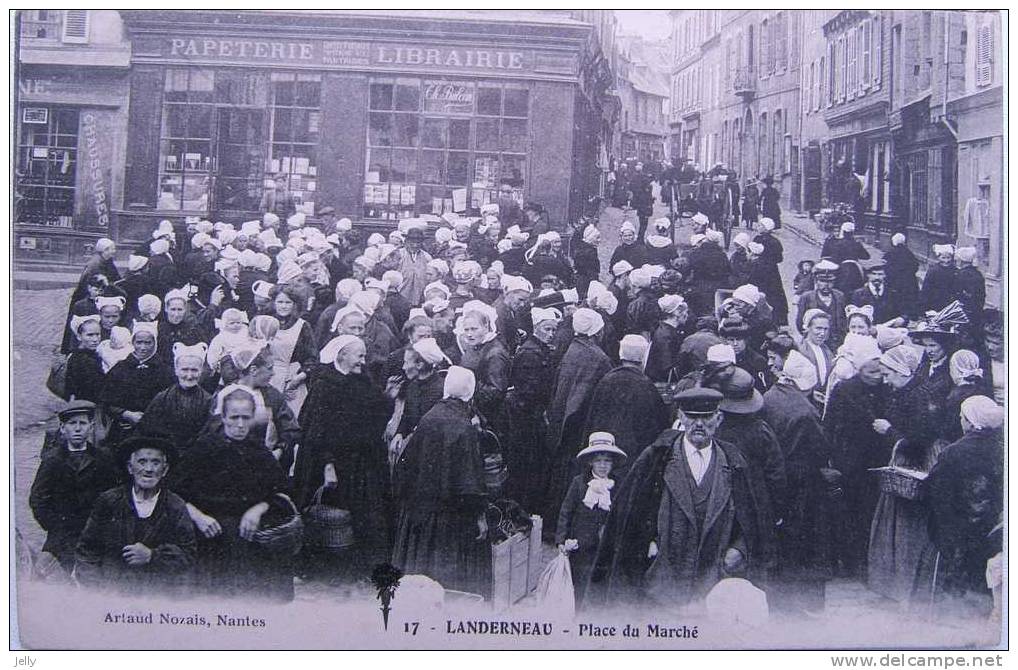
(886, 306)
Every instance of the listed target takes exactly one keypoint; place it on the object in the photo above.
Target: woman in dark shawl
(101, 263)
(441, 530)
(178, 324)
(343, 420)
(531, 381)
(84, 378)
(902, 266)
(585, 258)
(853, 406)
(581, 369)
(180, 412)
(770, 201)
(134, 382)
(965, 494)
(805, 538)
(229, 481)
(769, 275)
(910, 425)
(485, 355)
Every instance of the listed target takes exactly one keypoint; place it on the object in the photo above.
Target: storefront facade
(245, 113)
(69, 132)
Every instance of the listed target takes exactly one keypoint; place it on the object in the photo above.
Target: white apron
(284, 369)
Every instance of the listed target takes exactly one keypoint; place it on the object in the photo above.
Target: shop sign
(95, 180)
(343, 54)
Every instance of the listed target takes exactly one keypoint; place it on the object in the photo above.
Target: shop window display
(436, 146)
(47, 165)
(239, 141)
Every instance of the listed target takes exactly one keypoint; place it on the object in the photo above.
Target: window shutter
(843, 84)
(878, 51)
(829, 73)
(821, 73)
(75, 26)
(984, 56)
(867, 50)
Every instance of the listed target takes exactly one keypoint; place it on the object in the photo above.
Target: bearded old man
(687, 515)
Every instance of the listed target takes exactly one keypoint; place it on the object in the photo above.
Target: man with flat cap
(688, 514)
(139, 537)
(74, 471)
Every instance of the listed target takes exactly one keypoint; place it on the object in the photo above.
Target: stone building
(643, 88)
(70, 129)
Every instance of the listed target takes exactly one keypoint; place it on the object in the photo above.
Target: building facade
(71, 106)
(643, 89)
(975, 108)
(382, 115)
(735, 87)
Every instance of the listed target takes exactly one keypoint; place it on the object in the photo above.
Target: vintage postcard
(508, 329)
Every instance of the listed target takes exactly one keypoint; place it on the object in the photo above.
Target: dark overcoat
(682, 571)
(114, 523)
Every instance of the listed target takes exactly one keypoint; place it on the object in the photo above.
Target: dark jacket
(964, 492)
(902, 267)
(681, 573)
(626, 404)
(587, 264)
(940, 287)
(63, 492)
(759, 445)
(114, 524)
(885, 307)
(84, 379)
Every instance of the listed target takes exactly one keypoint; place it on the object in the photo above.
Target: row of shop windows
(248, 141)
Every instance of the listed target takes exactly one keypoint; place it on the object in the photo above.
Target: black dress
(343, 419)
(85, 378)
(578, 522)
(439, 486)
(531, 382)
(130, 386)
(177, 413)
(224, 478)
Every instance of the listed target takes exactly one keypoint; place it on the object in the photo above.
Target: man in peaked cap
(827, 298)
(689, 512)
(73, 472)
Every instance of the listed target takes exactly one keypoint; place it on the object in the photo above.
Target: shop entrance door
(811, 173)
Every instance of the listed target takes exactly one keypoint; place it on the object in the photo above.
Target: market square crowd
(254, 404)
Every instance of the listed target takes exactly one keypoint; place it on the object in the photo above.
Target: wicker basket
(667, 389)
(495, 471)
(900, 482)
(285, 538)
(328, 527)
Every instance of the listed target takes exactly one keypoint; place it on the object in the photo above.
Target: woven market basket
(900, 483)
(284, 538)
(328, 527)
